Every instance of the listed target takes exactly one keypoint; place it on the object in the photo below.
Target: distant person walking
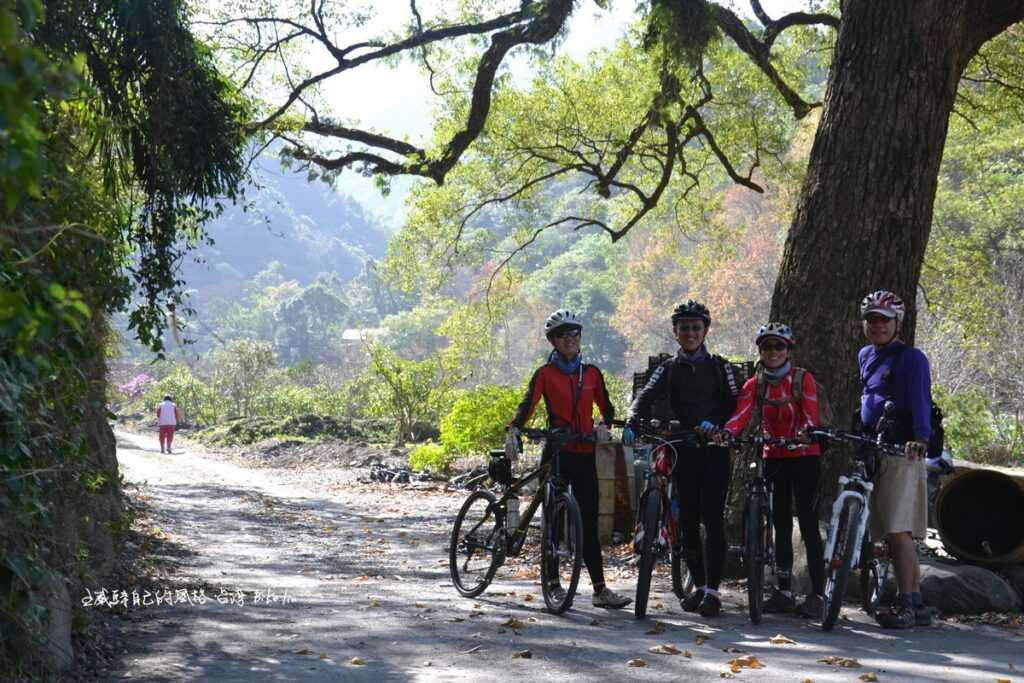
(167, 416)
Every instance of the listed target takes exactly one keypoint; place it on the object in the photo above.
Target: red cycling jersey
(569, 399)
(782, 417)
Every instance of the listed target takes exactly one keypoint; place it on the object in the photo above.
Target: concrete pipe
(979, 514)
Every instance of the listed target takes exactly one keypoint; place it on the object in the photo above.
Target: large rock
(956, 588)
(1015, 576)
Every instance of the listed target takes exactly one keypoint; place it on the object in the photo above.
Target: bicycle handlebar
(762, 440)
(654, 429)
(893, 449)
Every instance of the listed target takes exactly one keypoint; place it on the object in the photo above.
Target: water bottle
(512, 507)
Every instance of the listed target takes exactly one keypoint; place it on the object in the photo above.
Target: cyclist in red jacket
(570, 389)
(784, 398)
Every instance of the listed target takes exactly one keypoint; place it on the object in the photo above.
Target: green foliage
(968, 421)
(242, 431)
(26, 75)
(199, 402)
(147, 118)
(431, 456)
(477, 419)
(683, 28)
(409, 392)
(242, 369)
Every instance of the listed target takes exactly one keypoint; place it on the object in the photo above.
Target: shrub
(477, 419)
(431, 456)
(968, 421)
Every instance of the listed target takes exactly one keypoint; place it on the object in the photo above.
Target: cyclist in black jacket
(701, 389)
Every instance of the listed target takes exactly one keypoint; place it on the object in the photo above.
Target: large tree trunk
(865, 210)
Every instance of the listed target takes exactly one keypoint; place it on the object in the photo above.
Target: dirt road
(352, 585)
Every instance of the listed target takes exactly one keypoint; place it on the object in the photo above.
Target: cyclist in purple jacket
(890, 370)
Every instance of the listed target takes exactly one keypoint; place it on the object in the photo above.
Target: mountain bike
(849, 544)
(484, 535)
(657, 525)
(758, 532)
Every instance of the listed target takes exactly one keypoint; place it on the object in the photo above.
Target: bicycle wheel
(682, 579)
(476, 549)
(561, 552)
(872, 583)
(650, 521)
(840, 565)
(754, 519)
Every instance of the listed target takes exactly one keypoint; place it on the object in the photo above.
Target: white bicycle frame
(863, 495)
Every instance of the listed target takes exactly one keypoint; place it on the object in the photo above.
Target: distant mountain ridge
(306, 226)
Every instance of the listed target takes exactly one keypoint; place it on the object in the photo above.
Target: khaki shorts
(900, 499)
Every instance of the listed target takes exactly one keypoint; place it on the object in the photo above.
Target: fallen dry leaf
(658, 605)
(687, 653)
(701, 638)
(358, 661)
(528, 597)
(665, 649)
(304, 651)
(780, 639)
(637, 662)
(868, 677)
(748, 662)
(845, 662)
(659, 627)
(1003, 680)
(513, 623)
(522, 654)
(420, 605)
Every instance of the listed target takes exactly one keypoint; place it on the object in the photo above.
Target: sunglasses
(568, 334)
(771, 346)
(690, 328)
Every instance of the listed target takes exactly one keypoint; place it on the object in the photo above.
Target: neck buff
(698, 355)
(566, 367)
(773, 376)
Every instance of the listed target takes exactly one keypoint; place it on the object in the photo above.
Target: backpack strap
(798, 385)
(727, 375)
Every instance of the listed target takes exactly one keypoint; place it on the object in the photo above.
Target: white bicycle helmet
(563, 317)
(780, 330)
(883, 302)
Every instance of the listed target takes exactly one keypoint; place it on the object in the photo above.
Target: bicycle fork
(837, 508)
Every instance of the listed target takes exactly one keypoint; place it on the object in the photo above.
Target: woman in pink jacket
(786, 398)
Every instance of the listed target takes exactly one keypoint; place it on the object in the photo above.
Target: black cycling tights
(796, 477)
(702, 480)
(580, 470)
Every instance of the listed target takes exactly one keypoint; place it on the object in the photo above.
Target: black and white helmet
(692, 309)
(563, 317)
(780, 330)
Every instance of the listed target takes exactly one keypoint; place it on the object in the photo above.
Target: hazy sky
(398, 100)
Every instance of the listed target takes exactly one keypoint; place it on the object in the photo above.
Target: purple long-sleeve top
(910, 386)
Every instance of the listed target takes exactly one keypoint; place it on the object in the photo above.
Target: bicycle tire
(870, 583)
(562, 540)
(650, 521)
(682, 579)
(840, 565)
(754, 519)
(490, 543)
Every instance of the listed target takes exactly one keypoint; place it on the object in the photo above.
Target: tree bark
(865, 210)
